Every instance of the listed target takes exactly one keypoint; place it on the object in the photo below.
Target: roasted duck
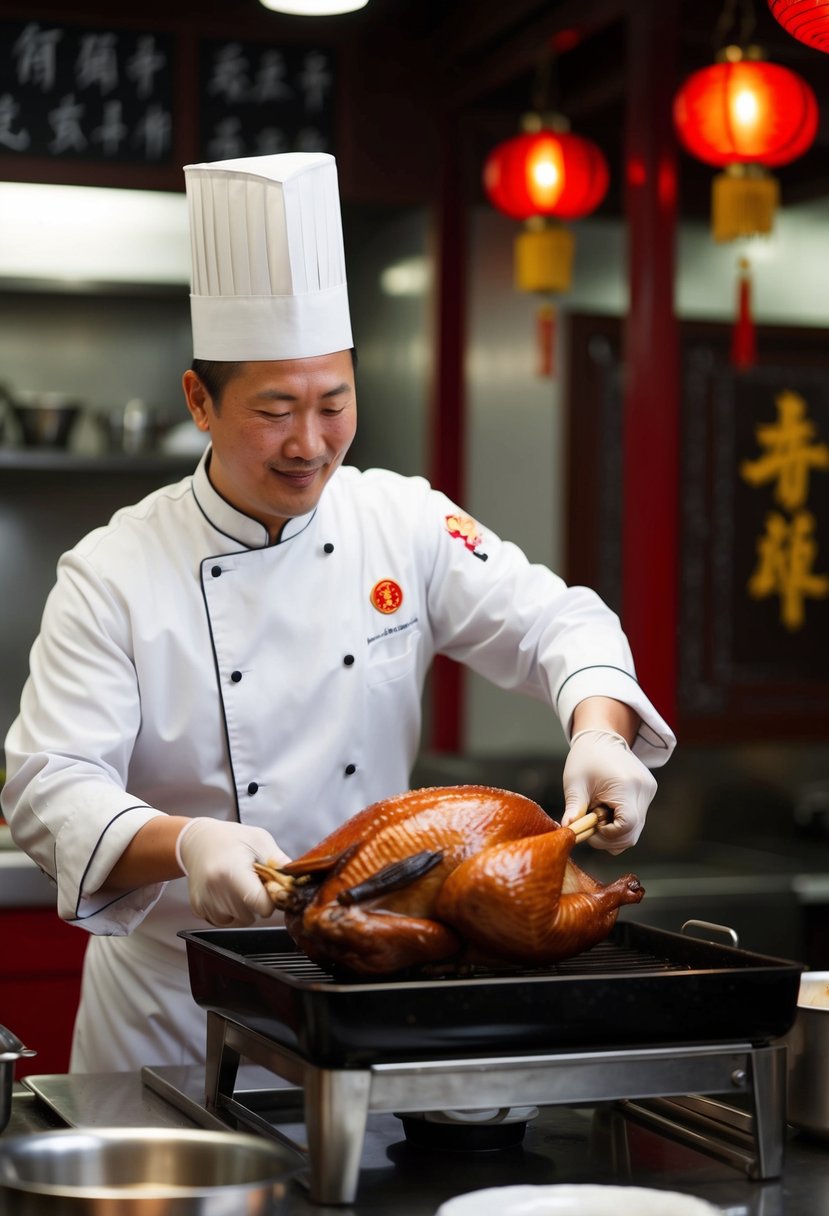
(452, 876)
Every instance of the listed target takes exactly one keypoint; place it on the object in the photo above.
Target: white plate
(485, 1118)
(575, 1201)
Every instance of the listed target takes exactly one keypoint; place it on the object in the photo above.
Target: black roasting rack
(649, 1019)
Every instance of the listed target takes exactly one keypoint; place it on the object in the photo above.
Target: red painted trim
(41, 984)
(447, 417)
(652, 393)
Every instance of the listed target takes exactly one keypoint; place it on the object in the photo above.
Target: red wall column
(651, 355)
(447, 419)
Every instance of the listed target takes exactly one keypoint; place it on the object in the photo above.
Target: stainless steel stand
(337, 1101)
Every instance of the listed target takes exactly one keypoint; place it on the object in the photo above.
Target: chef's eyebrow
(275, 394)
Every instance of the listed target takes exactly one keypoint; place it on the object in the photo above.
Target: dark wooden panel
(744, 673)
(755, 607)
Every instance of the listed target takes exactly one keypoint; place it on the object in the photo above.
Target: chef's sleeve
(522, 627)
(68, 753)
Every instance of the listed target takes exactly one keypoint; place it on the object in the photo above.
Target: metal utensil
(142, 1172)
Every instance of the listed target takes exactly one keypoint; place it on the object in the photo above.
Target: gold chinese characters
(787, 550)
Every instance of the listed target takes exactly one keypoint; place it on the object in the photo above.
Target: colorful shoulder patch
(386, 596)
(464, 528)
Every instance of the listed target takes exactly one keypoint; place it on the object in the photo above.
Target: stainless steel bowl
(45, 420)
(143, 1172)
(135, 428)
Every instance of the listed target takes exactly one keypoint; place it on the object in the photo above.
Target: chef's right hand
(218, 858)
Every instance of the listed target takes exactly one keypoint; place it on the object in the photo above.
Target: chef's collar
(234, 524)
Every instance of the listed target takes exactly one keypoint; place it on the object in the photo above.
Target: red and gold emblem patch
(386, 596)
(464, 528)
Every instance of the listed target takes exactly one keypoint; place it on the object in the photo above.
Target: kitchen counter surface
(562, 1145)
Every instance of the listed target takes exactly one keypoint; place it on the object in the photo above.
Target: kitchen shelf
(56, 460)
(100, 288)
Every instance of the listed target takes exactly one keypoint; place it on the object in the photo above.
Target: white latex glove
(218, 858)
(601, 770)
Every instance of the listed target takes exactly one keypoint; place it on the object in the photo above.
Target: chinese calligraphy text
(257, 100)
(81, 93)
(788, 549)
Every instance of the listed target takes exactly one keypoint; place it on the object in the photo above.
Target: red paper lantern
(544, 176)
(746, 112)
(746, 116)
(806, 20)
(546, 173)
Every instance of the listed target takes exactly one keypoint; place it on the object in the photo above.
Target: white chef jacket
(186, 666)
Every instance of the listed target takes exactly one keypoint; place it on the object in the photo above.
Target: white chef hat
(268, 264)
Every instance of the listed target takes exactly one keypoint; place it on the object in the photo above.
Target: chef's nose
(306, 440)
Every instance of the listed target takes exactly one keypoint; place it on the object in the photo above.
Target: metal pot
(143, 1172)
(808, 1043)
(11, 1050)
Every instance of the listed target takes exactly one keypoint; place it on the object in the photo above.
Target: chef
(233, 666)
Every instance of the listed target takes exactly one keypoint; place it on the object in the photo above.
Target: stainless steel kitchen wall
(104, 347)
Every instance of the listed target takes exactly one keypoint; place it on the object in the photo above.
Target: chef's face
(279, 431)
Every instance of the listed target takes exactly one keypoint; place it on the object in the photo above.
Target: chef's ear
(197, 398)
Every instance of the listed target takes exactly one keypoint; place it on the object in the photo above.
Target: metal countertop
(564, 1144)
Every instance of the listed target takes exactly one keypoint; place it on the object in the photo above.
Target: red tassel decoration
(743, 337)
(546, 332)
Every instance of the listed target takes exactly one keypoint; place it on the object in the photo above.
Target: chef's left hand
(602, 770)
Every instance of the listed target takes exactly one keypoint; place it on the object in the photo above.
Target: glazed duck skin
(453, 875)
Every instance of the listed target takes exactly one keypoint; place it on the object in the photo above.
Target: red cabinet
(40, 983)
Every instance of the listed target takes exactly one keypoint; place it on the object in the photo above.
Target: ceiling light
(314, 8)
(93, 234)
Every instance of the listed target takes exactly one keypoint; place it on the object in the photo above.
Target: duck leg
(508, 900)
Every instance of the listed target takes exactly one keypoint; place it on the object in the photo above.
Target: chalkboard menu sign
(82, 93)
(256, 99)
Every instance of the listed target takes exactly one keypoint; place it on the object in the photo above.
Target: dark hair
(216, 374)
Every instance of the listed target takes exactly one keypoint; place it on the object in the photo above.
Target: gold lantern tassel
(743, 202)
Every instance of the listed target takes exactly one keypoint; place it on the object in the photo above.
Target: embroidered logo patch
(462, 527)
(386, 596)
